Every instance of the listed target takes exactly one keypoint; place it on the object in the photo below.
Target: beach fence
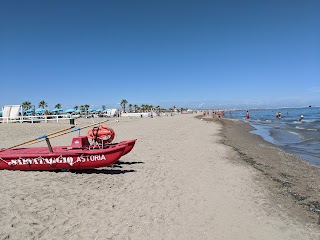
(37, 119)
(14, 113)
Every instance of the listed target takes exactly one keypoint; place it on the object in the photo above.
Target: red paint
(80, 155)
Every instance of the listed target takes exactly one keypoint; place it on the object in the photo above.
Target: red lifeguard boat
(80, 155)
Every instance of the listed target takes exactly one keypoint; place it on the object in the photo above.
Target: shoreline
(292, 182)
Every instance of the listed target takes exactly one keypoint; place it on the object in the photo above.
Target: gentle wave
(295, 133)
(311, 121)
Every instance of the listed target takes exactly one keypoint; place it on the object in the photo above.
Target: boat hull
(130, 144)
(61, 158)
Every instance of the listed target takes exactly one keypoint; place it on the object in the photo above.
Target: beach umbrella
(29, 111)
(40, 111)
(70, 110)
(56, 110)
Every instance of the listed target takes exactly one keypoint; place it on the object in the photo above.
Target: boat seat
(80, 142)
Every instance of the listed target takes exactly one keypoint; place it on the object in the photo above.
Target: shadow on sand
(120, 164)
(127, 163)
(101, 171)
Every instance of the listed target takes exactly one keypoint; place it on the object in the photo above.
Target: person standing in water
(248, 116)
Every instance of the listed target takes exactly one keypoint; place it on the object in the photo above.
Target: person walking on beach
(219, 115)
(248, 116)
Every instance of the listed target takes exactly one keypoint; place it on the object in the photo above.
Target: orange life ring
(102, 132)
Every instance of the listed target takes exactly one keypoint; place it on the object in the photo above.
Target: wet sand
(182, 180)
(293, 182)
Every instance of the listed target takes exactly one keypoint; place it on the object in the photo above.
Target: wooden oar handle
(52, 135)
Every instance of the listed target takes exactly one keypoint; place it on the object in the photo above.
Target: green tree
(82, 108)
(86, 107)
(135, 107)
(123, 104)
(76, 107)
(130, 107)
(143, 107)
(43, 104)
(26, 105)
(58, 106)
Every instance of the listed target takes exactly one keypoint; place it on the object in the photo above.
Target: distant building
(111, 112)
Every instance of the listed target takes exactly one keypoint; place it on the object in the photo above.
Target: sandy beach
(186, 178)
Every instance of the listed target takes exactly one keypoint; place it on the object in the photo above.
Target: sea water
(296, 135)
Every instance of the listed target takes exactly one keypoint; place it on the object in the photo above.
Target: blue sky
(208, 53)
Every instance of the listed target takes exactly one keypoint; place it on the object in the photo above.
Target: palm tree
(58, 106)
(43, 104)
(76, 107)
(123, 104)
(26, 105)
(86, 107)
(136, 107)
(143, 107)
(130, 107)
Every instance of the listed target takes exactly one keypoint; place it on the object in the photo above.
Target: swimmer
(301, 118)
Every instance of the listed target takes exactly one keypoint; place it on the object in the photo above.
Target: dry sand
(179, 182)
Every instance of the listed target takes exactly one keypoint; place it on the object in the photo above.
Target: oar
(31, 141)
(45, 137)
(41, 138)
(90, 125)
(52, 135)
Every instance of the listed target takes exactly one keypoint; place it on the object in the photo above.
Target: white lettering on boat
(54, 160)
(91, 158)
